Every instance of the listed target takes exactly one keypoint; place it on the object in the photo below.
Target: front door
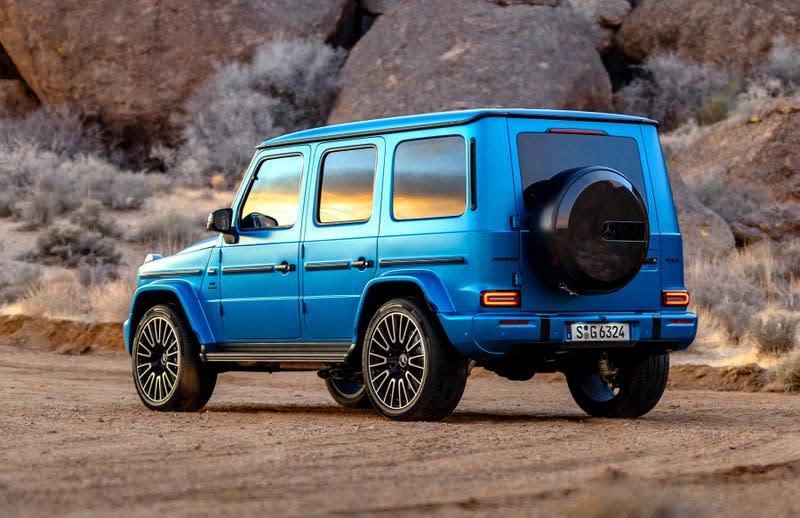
(340, 244)
(259, 277)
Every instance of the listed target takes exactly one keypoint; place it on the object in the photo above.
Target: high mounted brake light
(675, 298)
(569, 131)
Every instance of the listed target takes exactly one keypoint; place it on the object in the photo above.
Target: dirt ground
(76, 440)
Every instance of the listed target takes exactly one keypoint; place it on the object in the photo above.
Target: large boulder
(134, 62)
(750, 169)
(424, 56)
(603, 17)
(734, 32)
(705, 233)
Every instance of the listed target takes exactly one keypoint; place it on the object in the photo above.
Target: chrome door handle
(285, 267)
(361, 263)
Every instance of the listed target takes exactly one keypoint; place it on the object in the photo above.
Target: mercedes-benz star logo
(607, 231)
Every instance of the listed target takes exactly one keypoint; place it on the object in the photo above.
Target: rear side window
(543, 155)
(430, 178)
(346, 186)
(274, 194)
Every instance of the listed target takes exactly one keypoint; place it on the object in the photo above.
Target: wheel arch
(179, 293)
(424, 285)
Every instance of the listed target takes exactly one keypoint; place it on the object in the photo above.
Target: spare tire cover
(589, 231)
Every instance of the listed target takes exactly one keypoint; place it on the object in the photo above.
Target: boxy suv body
(393, 255)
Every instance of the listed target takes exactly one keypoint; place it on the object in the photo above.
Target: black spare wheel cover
(588, 230)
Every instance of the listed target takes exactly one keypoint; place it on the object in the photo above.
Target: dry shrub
(56, 296)
(775, 331)
(728, 292)
(289, 85)
(72, 246)
(111, 301)
(59, 130)
(785, 377)
(673, 90)
(15, 278)
(170, 230)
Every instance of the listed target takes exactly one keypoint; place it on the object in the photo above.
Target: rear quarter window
(543, 155)
(430, 178)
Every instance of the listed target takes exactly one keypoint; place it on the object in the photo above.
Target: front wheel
(411, 371)
(628, 385)
(167, 370)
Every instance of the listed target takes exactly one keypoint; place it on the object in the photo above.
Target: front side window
(346, 186)
(430, 178)
(274, 194)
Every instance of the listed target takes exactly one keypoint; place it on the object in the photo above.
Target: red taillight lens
(675, 298)
(507, 299)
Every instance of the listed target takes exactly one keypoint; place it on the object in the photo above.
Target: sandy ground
(76, 440)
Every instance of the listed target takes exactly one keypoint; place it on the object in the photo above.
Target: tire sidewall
(192, 384)
(423, 396)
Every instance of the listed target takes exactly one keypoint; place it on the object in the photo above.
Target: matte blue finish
(323, 298)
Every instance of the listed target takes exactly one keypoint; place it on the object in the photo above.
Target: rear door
(541, 149)
(340, 243)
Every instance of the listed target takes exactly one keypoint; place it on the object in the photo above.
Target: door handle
(361, 263)
(285, 267)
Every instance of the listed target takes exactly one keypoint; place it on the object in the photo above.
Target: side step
(308, 352)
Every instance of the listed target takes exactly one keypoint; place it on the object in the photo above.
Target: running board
(308, 352)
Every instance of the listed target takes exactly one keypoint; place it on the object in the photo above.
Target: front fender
(187, 297)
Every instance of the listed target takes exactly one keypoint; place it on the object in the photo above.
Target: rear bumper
(488, 335)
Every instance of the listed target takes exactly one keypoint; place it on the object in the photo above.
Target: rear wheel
(621, 386)
(411, 371)
(167, 370)
(348, 393)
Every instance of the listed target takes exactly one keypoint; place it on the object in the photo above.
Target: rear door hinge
(303, 306)
(515, 225)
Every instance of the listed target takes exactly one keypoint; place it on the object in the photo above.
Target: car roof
(438, 120)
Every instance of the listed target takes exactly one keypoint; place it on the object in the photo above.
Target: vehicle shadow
(333, 410)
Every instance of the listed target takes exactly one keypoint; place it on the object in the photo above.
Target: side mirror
(220, 220)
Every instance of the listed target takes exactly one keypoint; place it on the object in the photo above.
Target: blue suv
(393, 255)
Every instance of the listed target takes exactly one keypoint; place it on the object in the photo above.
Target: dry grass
(168, 228)
(111, 301)
(760, 280)
(60, 295)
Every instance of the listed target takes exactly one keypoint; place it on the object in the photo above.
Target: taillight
(675, 298)
(506, 299)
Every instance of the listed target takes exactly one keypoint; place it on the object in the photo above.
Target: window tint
(345, 194)
(543, 155)
(430, 178)
(274, 194)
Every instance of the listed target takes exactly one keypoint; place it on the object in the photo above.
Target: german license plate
(598, 332)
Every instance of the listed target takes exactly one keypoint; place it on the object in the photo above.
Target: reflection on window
(430, 178)
(274, 194)
(346, 187)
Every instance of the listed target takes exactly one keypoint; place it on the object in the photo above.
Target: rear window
(543, 155)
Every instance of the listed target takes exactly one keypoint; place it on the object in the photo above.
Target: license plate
(598, 332)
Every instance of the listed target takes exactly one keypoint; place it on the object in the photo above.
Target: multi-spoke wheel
(630, 385)
(167, 370)
(410, 369)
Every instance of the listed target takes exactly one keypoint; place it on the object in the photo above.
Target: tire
(167, 370)
(639, 384)
(589, 230)
(411, 371)
(348, 394)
